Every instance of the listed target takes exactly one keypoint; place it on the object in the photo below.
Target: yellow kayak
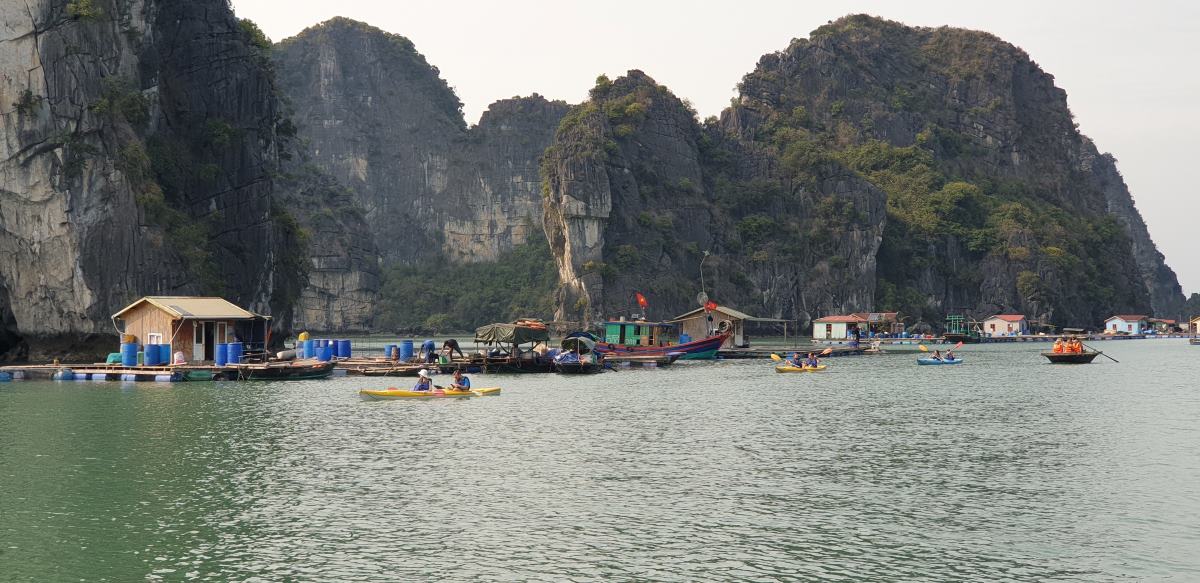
(789, 368)
(434, 394)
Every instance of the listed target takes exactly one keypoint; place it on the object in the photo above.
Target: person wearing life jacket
(812, 361)
(1059, 346)
(461, 382)
(795, 360)
(424, 383)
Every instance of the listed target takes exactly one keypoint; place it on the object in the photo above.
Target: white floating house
(837, 327)
(1126, 323)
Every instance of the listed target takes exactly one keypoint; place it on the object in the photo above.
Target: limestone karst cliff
(872, 165)
(379, 118)
(139, 142)
(375, 115)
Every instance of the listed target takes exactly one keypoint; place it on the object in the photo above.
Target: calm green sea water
(1002, 469)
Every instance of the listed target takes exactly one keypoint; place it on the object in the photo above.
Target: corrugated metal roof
(194, 308)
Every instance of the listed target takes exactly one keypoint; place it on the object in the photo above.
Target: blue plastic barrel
(149, 355)
(162, 354)
(310, 349)
(343, 349)
(684, 338)
(387, 350)
(65, 374)
(129, 354)
(222, 355)
(5, 377)
(325, 353)
(406, 350)
(234, 353)
(162, 378)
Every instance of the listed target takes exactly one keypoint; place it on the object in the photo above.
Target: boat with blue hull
(931, 361)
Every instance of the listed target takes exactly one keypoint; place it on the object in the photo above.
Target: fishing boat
(274, 371)
(1071, 357)
(578, 356)
(642, 338)
(503, 353)
(959, 329)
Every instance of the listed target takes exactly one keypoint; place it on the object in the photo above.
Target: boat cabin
(640, 333)
(192, 325)
(1126, 324)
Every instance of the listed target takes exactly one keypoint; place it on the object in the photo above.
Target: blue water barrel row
(343, 349)
(222, 356)
(406, 350)
(156, 354)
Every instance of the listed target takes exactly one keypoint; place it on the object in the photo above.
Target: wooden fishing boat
(504, 353)
(642, 359)
(642, 338)
(275, 371)
(1071, 357)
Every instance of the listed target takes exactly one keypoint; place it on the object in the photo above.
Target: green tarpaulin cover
(510, 334)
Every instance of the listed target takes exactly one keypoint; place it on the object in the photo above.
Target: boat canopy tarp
(579, 344)
(510, 334)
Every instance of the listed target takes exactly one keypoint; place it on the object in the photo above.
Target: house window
(993, 327)
(829, 330)
(154, 338)
(1131, 327)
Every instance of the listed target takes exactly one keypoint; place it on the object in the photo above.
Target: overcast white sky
(1131, 69)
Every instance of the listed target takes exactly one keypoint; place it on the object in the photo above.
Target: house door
(198, 341)
(209, 335)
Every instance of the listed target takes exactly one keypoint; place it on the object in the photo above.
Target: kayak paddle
(827, 351)
(776, 357)
(923, 348)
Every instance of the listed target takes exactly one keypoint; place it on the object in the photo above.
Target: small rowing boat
(434, 394)
(1071, 357)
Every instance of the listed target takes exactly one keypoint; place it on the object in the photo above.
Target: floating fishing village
(575, 291)
(173, 339)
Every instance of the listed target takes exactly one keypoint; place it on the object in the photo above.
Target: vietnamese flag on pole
(710, 306)
(641, 300)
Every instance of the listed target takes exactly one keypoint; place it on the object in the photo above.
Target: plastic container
(149, 355)
(128, 339)
(406, 350)
(684, 338)
(5, 377)
(162, 378)
(343, 349)
(129, 354)
(222, 356)
(388, 350)
(65, 374)
(325, 353)
(234, 353)
(310, 348)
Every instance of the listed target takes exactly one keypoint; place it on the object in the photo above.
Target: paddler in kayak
(950, 355)
(812, 361)
(795, 360)
(460, 382)
(937, 355)
(424, 383)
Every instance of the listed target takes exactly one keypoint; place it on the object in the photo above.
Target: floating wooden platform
(294, 370)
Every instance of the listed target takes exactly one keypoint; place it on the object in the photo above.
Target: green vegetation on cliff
(438, 297)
